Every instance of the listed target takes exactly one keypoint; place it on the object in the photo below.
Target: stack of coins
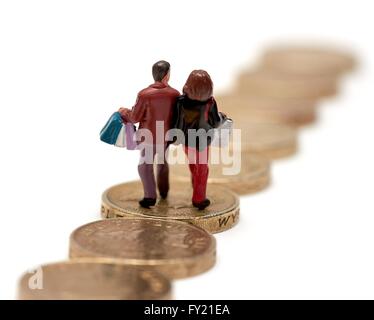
(287, 83)
(133, 252)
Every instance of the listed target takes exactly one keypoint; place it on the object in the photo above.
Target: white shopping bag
(222, 134)
(121, 139)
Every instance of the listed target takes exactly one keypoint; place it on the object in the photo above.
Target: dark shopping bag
(112, 129)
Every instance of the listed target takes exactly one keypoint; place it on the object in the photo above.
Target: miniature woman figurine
(196, 110)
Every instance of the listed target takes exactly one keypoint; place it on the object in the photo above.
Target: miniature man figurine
(154, 103)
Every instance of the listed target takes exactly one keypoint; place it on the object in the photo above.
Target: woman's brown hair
(199, 86)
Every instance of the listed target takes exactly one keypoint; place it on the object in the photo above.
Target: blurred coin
(253, 175)
(308, 60)
(176, 249)
(294, 112)
(272, 84)
(272, 141)
(222, 214)
(89, 280)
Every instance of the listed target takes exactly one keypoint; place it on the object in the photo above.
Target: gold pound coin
(174, 248)
(294, 112)
(254, 174)
(222, 214)
(91, 280)
(308, 60)
(273, 84)
(272, 141)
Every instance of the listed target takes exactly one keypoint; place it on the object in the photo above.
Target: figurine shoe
(201, 205)
(147, 202)
(164, 195)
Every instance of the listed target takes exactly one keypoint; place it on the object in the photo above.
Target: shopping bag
(112, 128)
(130, 136)
(222, 134)
(121, 139)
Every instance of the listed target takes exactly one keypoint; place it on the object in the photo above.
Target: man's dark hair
(160, 69)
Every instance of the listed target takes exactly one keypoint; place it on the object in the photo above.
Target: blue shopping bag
(111, 130)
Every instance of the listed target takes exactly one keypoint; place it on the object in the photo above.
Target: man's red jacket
(155, 103)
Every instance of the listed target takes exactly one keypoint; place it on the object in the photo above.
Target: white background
(65, 66)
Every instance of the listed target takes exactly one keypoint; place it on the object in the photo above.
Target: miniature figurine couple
(194, 109)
